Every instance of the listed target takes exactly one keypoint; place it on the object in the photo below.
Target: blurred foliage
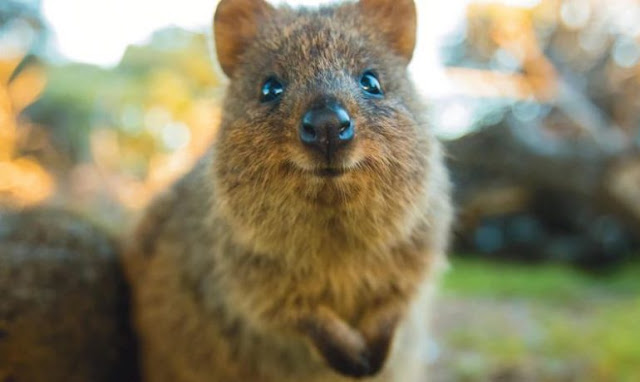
(544, 124)
(22, 179)
(138, 125)
(111, 138)
(569, 68)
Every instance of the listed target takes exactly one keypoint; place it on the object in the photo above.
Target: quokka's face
(323, 94)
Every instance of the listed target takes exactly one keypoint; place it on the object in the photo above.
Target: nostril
(344, 125)
(308, 133)
(346, 131)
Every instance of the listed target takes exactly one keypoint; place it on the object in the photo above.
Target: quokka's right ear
(396, 20)
(235, 25)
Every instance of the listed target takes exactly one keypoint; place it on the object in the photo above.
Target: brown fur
(63, 301)
(255, 268)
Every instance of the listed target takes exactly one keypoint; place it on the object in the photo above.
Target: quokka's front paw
(378, 331)
(352, 360)
(343, 348)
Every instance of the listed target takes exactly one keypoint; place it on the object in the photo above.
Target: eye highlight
(370, 84)
(272, 90)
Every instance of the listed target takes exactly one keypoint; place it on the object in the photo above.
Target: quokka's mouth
(329, 172)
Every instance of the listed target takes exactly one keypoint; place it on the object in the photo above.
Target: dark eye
(370, 84)
(271, 90)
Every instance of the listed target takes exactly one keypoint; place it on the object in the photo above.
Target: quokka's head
(319, 97)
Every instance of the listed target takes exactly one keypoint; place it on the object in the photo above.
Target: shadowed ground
(496, 322)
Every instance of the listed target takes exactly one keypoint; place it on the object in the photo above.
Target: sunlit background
(103, 103)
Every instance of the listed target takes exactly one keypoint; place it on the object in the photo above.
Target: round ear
(235, 25)
(396, 19)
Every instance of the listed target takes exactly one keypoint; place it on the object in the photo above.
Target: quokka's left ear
(396, 19)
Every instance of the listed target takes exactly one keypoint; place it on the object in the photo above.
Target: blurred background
(102, 104)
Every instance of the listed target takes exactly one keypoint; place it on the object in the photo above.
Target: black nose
(326, 127)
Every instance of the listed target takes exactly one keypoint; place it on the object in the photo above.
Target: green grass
(546, 282)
